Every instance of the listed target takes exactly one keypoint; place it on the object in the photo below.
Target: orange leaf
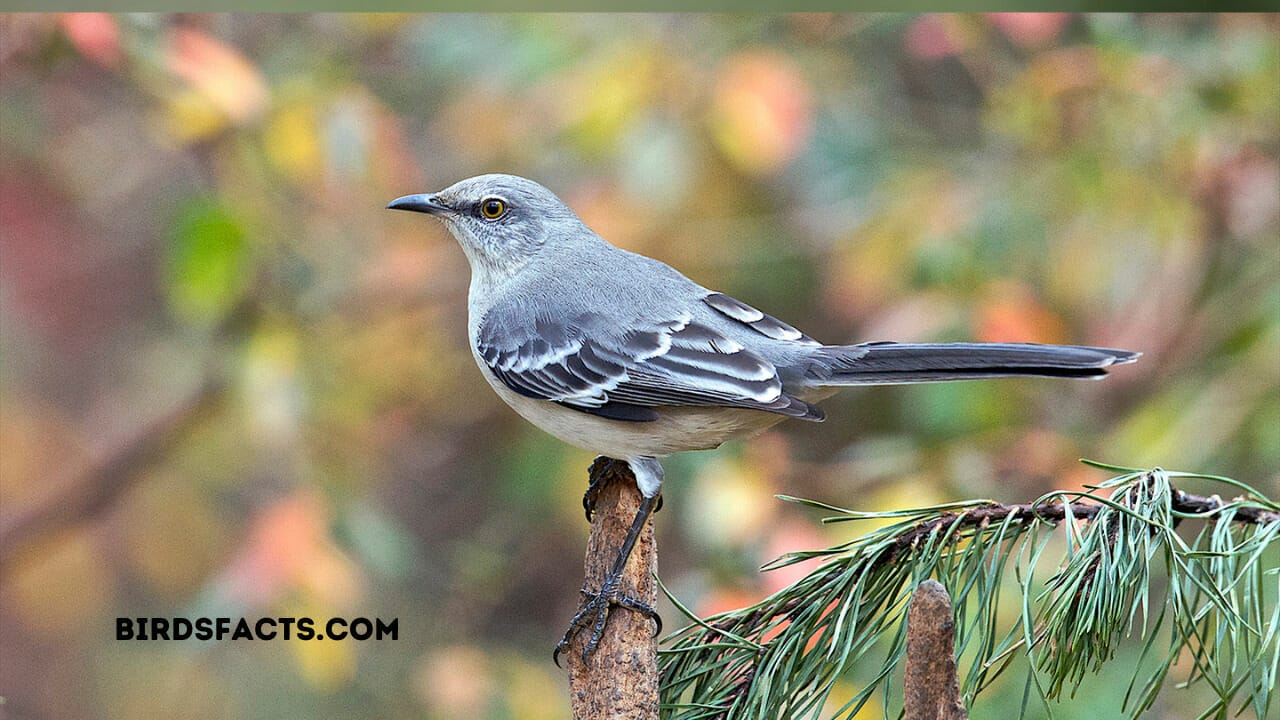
(95, 35)
(763, 111)
(218, 72)
(1013, 315)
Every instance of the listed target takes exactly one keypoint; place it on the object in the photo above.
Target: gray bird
(624, 356)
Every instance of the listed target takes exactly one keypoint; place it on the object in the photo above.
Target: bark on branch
(620, 679)
(932, 691)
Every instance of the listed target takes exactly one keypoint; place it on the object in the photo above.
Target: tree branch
(619, 681)
(932, 691)
(97, 488)
(1056, 512)
(94, 490)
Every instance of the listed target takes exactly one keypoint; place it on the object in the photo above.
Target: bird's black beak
(429, 204)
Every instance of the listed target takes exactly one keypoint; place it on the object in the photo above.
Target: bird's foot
(603, 471)
(595, 613)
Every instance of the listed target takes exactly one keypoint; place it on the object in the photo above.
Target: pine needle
(1124, 569)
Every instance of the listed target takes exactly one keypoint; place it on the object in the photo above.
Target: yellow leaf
(735, 501)
(191, 116)
(324, 664)
(292, 141)
(534, 691)
(612, 95)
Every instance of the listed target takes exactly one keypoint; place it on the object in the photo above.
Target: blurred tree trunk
(620, 679)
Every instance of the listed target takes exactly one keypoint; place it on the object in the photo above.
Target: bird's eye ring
(492, 208)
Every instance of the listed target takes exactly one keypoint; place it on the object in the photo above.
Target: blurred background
(233, 384)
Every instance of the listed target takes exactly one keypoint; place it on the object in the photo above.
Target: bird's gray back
(582, 274)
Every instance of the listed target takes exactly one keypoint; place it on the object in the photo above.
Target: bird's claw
(595, 612)
(602, 473)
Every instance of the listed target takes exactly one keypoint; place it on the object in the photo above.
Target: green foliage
(1214, 597)
(208, 262)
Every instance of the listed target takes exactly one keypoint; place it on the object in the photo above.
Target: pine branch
(781, 657)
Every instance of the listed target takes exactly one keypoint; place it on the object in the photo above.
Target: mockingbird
(622, 355)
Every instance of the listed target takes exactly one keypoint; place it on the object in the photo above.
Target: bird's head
(500, 221)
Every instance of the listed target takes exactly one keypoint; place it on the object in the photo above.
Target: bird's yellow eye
(492, 208)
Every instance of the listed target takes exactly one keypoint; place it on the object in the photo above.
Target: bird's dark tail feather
(890, 363)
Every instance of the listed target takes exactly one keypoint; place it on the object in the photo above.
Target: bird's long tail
(891, 363)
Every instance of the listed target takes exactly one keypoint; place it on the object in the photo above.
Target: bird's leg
(595, 611)
(603, 471)
(599, 603)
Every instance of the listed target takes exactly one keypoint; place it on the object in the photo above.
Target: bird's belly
(677, 429)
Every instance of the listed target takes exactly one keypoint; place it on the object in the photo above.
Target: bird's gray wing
(624, 370)
(765, 324)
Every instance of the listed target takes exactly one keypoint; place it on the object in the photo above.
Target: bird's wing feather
(763, 323)
(588, 364)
